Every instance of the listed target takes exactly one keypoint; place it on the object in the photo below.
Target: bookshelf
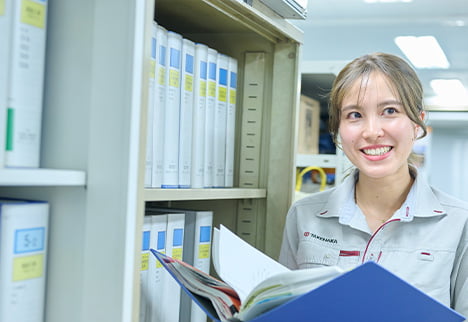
(92, 162)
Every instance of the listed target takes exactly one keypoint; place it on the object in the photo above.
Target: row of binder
(24, 226)
(23, 27)
(191, 114)
(183, 234)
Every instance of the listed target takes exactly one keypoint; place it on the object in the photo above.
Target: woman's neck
(379, 198)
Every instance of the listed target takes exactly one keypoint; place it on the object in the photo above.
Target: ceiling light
(423, 52)
(448, 87)
(450, 91)
(387, 1)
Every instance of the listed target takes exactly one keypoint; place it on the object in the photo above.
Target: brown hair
(398, 72)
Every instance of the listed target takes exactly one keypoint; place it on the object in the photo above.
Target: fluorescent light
(387, 1)
(423, 52)
(450, 92)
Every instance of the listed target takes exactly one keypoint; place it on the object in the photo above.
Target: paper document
(241, 265)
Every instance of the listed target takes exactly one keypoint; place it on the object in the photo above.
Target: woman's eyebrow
(390, 102)
(350, 107)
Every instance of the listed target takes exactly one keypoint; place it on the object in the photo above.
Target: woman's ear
(422, 115)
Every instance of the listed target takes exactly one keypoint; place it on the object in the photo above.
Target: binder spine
(199, 110)
(172, 111)
(220, 116)
(209, 118)
(159, 107)
(186, 114)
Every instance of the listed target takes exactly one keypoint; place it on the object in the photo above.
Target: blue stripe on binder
(146, 240)
(212, 71)
(153, 48)
(29, 240)
(223, 76)
(161, 244)
(205, 234)
(203, 71)
(162, 55)
(189, 63)
(175, 58)
(178, 238)
(233, 80)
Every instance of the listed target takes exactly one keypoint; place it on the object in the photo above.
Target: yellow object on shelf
(323, 177)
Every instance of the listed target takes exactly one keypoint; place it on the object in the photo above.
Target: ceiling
(336, 31)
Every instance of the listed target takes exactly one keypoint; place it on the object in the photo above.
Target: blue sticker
(178, 237)
(162, 55)
(153, 48)
(223, 76)
(203, 71)
(212, 71)
(175, 58)
(189, 63)
(161, 240)
(29, 240)
(205, 234)
(233, 80)
(146, 240)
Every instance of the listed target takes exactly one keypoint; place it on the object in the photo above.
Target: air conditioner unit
(289, 9)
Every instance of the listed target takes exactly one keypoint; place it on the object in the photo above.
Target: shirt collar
(420, 202)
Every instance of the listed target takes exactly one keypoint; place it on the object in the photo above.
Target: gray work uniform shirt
(425, 242)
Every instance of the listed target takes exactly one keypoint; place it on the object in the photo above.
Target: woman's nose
(372, 128)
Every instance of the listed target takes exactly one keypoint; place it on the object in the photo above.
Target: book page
(241, 265)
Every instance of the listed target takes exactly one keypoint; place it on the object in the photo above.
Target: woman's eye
(354, 115)
(390, 110)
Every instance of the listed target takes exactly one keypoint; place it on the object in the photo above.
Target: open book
(254, 287)
(252, 283)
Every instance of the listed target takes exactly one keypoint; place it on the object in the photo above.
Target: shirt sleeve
(460, 279)
(289, 244)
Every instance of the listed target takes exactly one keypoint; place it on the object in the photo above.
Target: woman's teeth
(378, 151)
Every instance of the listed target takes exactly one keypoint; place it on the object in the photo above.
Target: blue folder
(368, 293)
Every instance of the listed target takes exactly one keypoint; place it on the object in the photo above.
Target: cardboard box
(309, 126)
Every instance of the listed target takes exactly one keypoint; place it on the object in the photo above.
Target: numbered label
(29, 240)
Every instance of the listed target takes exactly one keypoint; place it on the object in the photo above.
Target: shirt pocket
(310, 255)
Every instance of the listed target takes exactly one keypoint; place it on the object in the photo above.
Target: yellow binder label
(177, 253)
(144, 261)
(152, 73)
(2, 7)
(232, 96)
(188, 83)
(174, 78)
(203, 88)
(28, 267)
(204, 251)
(222, 94)
(33, 13)
(162, 76)
(212, 89)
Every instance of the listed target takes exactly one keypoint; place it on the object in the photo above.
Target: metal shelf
(202, 194)
(41, 177)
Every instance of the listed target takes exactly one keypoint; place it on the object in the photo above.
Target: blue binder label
(212, 71)
(146, 240)
(161, 244)
(233, 83)
(205, 234)
(175, 58)
(153, 48)
(189, 63)
(223, 76)
(178, 237)
(203, 67)
(29, 240)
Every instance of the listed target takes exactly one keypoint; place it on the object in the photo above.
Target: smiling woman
(384, 211)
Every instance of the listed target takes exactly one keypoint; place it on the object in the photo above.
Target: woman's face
(376, 134)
